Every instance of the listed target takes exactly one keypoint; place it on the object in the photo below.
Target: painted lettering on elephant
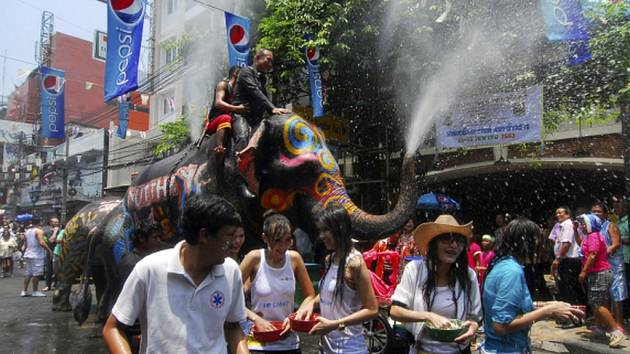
(183, 182)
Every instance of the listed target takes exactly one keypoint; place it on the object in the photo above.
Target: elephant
(297, 176)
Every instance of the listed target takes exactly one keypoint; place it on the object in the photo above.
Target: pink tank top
(595, 243)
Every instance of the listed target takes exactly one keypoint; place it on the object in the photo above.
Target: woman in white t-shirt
(439, 288)
(346, 297)
(270, 275)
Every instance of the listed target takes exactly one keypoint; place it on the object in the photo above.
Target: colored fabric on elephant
(175, 315)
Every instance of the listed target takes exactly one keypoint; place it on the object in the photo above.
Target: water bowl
(445, 334)
(303, 325)
(269, 336)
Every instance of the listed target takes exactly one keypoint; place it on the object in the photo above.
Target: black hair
(36, 220)
(262, 51)
(458, 272)
(566, 209)
(517, 241)
(275, 225)
(207, 212)
(602, 205)
(144, 230)
(235, 69)
(337, 221)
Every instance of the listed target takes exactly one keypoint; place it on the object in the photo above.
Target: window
(168, 105)
(171, 6)
(170, 54)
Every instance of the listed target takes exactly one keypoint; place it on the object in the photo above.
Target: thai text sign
(496, 119)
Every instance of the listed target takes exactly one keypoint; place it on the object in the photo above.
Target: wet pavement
(28, 325)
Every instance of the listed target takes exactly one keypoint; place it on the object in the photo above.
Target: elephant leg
(71, 269)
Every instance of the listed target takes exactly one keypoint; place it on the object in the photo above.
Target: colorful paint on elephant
(303, 142)
(149, 200)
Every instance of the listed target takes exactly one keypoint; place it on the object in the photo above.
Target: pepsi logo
(239, 38)
(128, 11)
(53, 84)
(312, 55)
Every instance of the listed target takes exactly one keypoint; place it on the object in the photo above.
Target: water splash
(206, 55)
(460, 46)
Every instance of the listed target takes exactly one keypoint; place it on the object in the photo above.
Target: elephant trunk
(367, 226)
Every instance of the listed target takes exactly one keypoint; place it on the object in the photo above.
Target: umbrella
(436, 201)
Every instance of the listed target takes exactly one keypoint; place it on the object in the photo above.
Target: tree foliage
(175, 136)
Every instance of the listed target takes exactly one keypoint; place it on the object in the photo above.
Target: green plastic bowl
(445, 335)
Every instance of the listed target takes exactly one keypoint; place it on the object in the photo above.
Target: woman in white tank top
(270, 275)
(346, 297)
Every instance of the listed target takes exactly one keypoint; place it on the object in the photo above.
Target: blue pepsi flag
(315, 79)
(238, 39)
(565, 22)
(123, 119)
(52, 102)
(125, 19)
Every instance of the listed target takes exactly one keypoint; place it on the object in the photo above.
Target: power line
(18, 60)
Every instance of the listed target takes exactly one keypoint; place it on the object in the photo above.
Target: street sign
(99, 46)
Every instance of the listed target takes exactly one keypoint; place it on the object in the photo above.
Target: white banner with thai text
(504, 118)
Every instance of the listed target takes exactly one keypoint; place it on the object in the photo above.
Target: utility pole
(64, 183)
(105, 161)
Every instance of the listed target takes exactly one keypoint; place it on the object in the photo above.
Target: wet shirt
(594, 242)
(505, 297)
(452, 303)
(229, 97)
(176, 316)
(566, 234)
(625, 236)
(251, 91)
(616, 259)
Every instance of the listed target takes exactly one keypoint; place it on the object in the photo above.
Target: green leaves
(175, 136)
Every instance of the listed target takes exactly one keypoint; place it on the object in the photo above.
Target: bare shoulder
(222, 85)
(355, 262)
(295, 256)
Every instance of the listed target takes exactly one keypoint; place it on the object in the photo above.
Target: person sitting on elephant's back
(274, 272)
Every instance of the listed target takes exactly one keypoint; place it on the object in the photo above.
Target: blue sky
(20, 24)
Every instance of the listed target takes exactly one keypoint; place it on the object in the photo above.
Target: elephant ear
(279, 166)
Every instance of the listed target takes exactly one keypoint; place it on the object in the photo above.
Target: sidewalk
(547, 336)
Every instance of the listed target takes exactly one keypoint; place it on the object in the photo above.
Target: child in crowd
(7, 247)
(487, 255)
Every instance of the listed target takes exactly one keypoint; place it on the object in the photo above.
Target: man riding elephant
(298, 176)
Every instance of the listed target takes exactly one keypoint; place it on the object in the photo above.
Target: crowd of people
(203, 295)
(34, 247)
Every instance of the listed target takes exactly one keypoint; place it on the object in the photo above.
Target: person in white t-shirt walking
(34, 257)
(189, 298)
(566, 266)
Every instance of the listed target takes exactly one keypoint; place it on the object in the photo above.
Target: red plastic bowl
(269, 336)
(302, 325)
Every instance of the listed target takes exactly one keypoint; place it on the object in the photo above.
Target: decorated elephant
(296, 173)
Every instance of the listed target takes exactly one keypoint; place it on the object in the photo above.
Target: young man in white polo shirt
(189, 298)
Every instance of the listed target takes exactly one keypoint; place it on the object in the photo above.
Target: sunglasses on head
(451, 237)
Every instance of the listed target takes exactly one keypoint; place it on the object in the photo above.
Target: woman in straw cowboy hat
(508, 308)
(440, 287)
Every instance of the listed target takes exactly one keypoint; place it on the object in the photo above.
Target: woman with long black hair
(439, 288)
(508, 308)
(346, 297)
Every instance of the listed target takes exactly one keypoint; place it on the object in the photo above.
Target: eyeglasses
(451, 237)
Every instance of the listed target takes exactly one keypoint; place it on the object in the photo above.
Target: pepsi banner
(565, 22)
(315, 79)
(125, 19)
(238, 39)
(123, 119)
(52, 102)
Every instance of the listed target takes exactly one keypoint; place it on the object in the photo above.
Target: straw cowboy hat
(444, 224)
